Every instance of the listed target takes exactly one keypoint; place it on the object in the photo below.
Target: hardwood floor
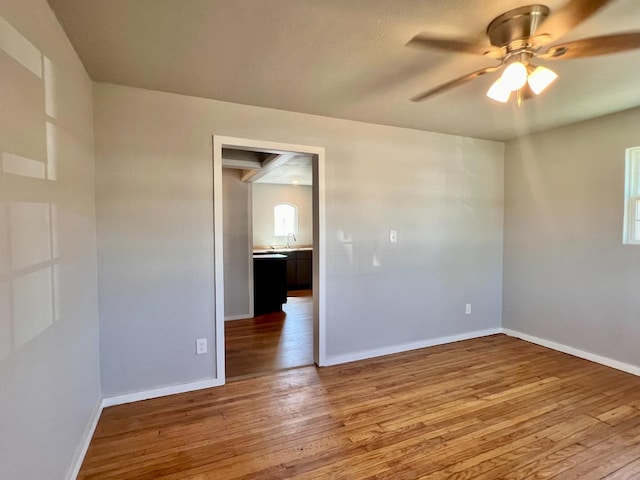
(271, 342)
(488, 408)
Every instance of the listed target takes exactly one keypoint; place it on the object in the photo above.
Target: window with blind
(632, 197)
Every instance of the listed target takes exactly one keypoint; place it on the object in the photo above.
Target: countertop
(262, 250)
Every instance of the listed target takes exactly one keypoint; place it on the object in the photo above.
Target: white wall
(49, 370)
(265, 197)
(237, 243)
(567, 276)
(154, 187)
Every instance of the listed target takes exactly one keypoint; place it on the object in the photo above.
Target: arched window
(285, 218)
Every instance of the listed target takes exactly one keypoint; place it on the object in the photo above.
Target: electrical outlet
(201, 346)
(467, 309)
(393, 236)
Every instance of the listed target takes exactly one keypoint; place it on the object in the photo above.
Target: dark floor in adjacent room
(271, 342)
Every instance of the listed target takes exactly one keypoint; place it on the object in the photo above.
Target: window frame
(631, 231)
(277, 227)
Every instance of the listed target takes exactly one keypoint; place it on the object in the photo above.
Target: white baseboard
(609, 362)
(405, 347)
(81, 451)
(335, 360)
(244, 316)
(161, 392)
(128, 398)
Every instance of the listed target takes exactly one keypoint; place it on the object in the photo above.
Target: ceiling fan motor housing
(514, 28)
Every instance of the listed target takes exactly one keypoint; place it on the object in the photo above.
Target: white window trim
(631, 230)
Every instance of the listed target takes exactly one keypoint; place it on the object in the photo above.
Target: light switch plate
(393, 236)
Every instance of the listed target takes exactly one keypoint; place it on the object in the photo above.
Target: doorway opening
(288, 270)
(270, 342)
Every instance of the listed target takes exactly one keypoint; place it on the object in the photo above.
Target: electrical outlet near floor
(467, 309)
(201, 346)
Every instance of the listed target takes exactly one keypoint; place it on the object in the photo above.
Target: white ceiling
(296, 171)
(343, 58)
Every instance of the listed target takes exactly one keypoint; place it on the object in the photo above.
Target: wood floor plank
(630, 470)
(273, 341)
(488, 408)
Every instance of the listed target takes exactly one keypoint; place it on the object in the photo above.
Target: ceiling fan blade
(423, 40)
(454, 83)
(592, 47)
(569, 16)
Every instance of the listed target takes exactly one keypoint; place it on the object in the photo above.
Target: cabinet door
(269, 284)
(303, 273)
(292, 277)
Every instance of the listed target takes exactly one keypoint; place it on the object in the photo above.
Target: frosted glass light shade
(514, 76)
(540, 79)
(499, 91)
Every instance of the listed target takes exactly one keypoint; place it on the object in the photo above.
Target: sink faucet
(289, 235)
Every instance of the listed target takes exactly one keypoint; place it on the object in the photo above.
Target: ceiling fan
(520, 36)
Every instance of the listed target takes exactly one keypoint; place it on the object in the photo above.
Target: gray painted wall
(49, 370)
(237, 243)
(567, 276)
(265, 197)
(154, 187)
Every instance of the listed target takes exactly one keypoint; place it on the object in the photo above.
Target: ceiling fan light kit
(518, 74)
(519, 36)
(499, 92)
(540, 78)
(515, 76)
